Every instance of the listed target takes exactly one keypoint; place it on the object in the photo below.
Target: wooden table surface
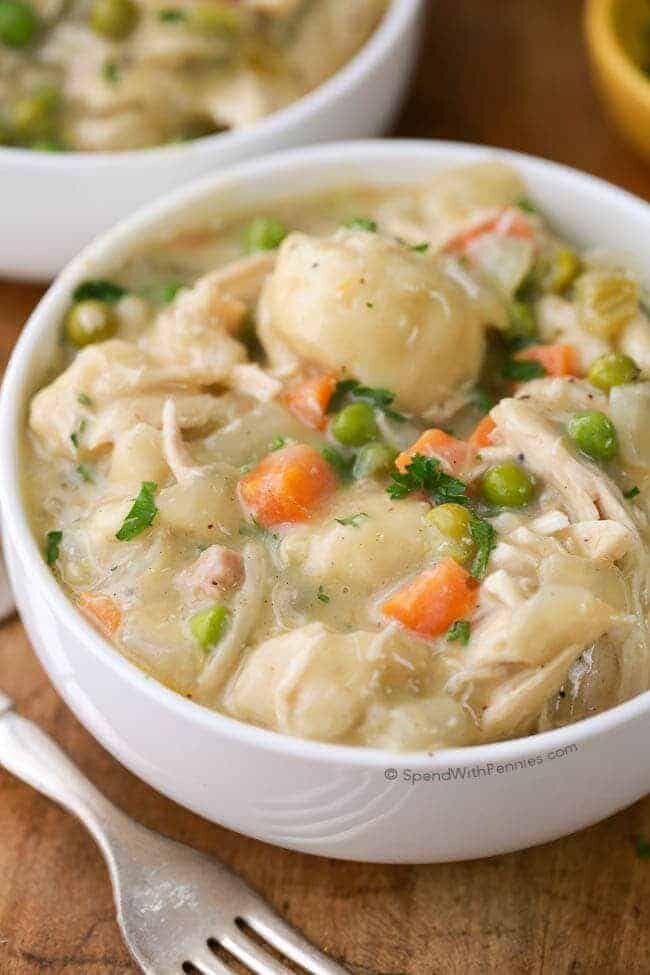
(505, 72)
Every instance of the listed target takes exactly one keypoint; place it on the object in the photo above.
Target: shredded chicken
(604, 539)
(587, 492)
(253, 381)
(176, 453)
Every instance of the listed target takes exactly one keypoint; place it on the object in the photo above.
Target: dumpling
(138, 456)
(358, 546)
(205, 505)
(362, 304)
(430, 722)
(310, 682)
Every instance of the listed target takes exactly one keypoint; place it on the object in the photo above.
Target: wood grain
(505, 72)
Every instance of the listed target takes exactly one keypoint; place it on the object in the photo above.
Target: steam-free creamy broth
(126, 74)
(369, 468)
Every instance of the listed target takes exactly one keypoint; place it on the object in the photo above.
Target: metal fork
(173, 904)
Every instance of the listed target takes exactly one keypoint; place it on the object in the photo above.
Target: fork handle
(32, 756)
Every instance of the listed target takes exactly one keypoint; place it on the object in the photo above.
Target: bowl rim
(377, 47)
(13, 404)
(607, 44)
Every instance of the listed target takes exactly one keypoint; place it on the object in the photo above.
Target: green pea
(263, 234)
(90, 321)
(18, 23)
(507, 486)
(113, 19)
(355, 425)
(594, 434)
(613, 369)
(208, 626)
(33, 117)
(522, 322)
(373, 460)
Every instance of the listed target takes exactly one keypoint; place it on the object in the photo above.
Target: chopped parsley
(450, 489)
(482, 399)
(277, 443)
(85, 473)
(171, 15)
(165, 293)
(362, 223)
(111, 72)
(632, 493)
(76, 435)
(343, 389)
(352, 520)
(142, 513)
(322, 595)
(100, 290)
(526, 291)
(485, 538)
(525, 204)
(84, 399)
(380, 399)
(52, 543)
(518, 342)
(642, 848)
(342, 465)
(459, 632)
(421, 248)
(253, 529)
(425, 474)
(522, 370)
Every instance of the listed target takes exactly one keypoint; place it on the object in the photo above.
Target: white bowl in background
(333, 800)
(53, 204)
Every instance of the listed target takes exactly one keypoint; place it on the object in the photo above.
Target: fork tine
(250, 953)
(289, 942)
(208, 964)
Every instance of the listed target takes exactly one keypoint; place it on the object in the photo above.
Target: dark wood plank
(507, 73)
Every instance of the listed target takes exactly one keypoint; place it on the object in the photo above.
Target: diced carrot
(431, 602)
(308, 401)
(436, 443)
(482, 434)
(558, 360)
(287, 486)
(510, 222)
(103, 610)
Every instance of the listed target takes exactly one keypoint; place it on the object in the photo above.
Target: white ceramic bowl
(53, 204)
(327, 799)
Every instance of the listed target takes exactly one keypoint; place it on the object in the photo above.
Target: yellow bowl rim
(606, 43)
